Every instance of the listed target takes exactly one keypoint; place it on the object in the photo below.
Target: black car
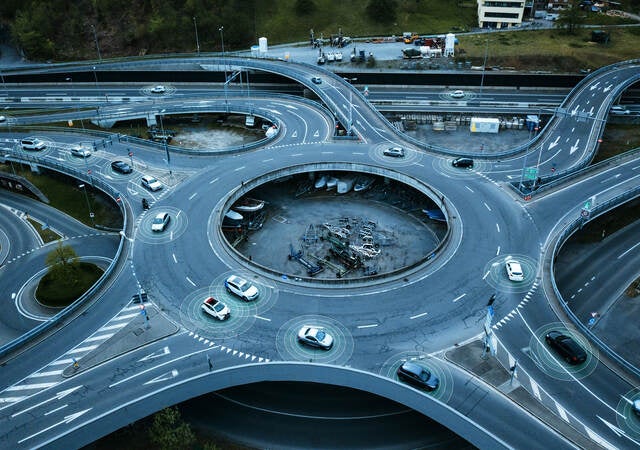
(121, 167)
(417, 375)
(566, 347)
(462, 162)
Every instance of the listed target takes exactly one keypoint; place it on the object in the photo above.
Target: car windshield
(158, 220)
(320, 335)
(218, 307)
(243, 286)
(425, 375)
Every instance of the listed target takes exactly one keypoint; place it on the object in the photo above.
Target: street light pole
(350, 81)
(195, 24)
(84, 188)
(95, 38)
(164, 139)
(226, 98)
(70, 79)
(484, 65)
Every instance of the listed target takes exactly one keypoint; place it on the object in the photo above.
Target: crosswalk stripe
(26, 387)
(100, 337)
(10, 399)
(81, 349)
(61, 361)
(45, 374)
(125, 316)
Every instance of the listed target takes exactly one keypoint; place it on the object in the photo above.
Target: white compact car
(241, 287)
(160, 222)
(151, 183)
(514, 270)
(315, 337)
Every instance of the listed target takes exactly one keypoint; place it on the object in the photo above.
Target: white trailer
(484, 125)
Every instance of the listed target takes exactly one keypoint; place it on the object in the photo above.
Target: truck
(216, 309)
(408, 37)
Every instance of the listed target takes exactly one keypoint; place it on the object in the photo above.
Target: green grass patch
(59, 292)
(65, 195)
(617, 139)
(608, 224)
(45, 234)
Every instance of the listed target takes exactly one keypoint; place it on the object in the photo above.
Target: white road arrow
(574, 147)
(67, 419)
(554, 143)
(617, 431)
(591, 111)
(58, 396)
(575, 111)
(316, 134)
(294, 134)
(164, 377)
(156, 354)
(608, 88)
(594, 86)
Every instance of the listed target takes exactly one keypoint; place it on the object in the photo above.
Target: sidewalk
(469, 358)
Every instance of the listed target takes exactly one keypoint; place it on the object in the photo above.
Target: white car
(457, 94)
(159, 89)
(215, 308)
(396, 152)
(80, 151)
(3, 119)
(160, 222)
(620, 110)
(241, 287)
(514, 270)
(150, 183)
(315, 337)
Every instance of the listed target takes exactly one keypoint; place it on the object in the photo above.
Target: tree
(382, 11)
(169, 431)
(304, 7)
(571, 18)
(63, 262)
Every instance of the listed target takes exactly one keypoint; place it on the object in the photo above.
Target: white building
(500, 13)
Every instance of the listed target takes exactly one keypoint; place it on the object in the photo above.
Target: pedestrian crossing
(51, 374)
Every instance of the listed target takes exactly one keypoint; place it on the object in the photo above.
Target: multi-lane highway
(378, 324)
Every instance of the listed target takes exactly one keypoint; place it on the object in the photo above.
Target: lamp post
(133, 271)
(164, 140)
(350, 81)
(95, 38)
(226, 98)
(70, 79)
(86, 197)
(484, 65)
(195, 24)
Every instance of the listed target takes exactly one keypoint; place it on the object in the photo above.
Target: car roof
(412, 367)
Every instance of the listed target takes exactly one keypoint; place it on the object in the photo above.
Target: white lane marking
(122, 317)
(368, 326)
(238, 168)
(192, 196)
(174, 258)
(498, 228)
(214, 180)
(261, 318)
(189, 280)
(55, 410)
(487, 206)
(498, 251)
(62, 361)
(297, 154)
(486, 274)
(327, 153)
(11, 399)
(470, 190)
(267, 160)
(418, 315)
(624, 253)
(458, 297)
(111, 327)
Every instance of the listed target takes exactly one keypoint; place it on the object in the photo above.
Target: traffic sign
(531, 173)
(92, 215)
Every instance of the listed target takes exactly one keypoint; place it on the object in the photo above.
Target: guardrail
(562, 238)
(66, 312)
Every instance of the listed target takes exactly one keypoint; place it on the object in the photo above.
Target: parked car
(32, 143)
(150, 183)
(396, 152)
(457, 94)
(315, 337)
(80, 151)
(161, 221)
(121, 167)
(3, 119)
(215, 308)
(316, 80)
(159, 89)
(418, 376)
(514, 270)
(566, 347)
(462, 162)
(619, 110)
(241, 287)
